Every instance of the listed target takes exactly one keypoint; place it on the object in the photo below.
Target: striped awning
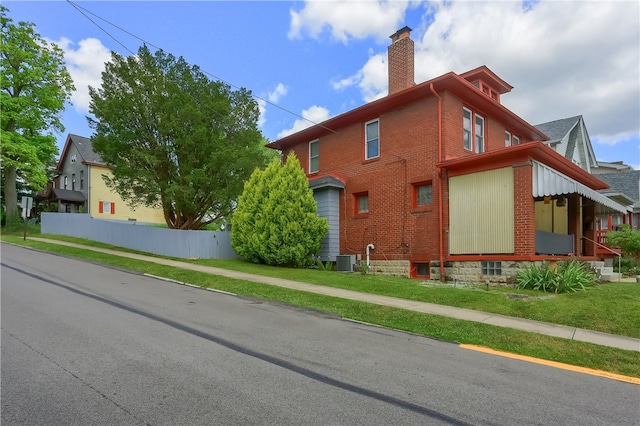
(550, 182)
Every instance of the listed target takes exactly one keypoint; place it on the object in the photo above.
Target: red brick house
(439, 180)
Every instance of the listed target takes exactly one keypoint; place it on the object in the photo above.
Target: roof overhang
(57, 194)
(550, 182)
(521, 154)
(450, 82)
(326, 181)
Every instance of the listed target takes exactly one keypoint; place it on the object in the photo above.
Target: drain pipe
(440, 187)
(369, 247)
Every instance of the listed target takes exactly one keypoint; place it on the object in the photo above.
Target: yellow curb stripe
(584, 370)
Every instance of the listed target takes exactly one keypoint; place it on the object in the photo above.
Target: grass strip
(607, 308)
(504, 339)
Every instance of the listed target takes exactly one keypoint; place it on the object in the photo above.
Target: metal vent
(345, 262)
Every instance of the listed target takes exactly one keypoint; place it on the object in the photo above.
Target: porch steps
(604, 271)
(607, 274)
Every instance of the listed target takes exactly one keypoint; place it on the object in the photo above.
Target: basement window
(421, 270)
(491, 267)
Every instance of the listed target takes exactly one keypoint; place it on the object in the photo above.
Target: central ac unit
(345, 262)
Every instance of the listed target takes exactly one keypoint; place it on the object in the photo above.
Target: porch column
(575, 222)
(589, 214)
(524, 210)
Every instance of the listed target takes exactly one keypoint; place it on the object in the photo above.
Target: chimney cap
(395, 36)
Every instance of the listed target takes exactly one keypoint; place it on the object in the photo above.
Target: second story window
(466, 128)
(473, 131)
(372, 139)
(65, 183)
(314, 156)
(73, 181)
(479, 134)
(510, 139)
(81, 179)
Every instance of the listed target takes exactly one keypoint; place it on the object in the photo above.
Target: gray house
(70, 188)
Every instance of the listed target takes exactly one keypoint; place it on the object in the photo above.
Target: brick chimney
(400, 57)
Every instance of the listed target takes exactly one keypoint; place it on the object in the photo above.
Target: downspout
(440, 209)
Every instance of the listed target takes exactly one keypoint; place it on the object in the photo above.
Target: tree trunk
(10, 192)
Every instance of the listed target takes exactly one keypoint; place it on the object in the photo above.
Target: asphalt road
(84, 344)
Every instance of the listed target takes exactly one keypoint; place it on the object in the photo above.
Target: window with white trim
(314, 156)
(479, 134)
(473, 131)
(507, 138)
(65, 182)
(466, 128)
(372, 139)
(516, 140)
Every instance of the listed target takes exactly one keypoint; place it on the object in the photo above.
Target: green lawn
(610, 308)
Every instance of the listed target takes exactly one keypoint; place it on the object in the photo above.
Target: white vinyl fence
(136, 236)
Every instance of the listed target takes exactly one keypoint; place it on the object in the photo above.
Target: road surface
(88, 344)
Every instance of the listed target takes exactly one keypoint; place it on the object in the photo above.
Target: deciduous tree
(276, 221)
(174, 138)
(35, 85)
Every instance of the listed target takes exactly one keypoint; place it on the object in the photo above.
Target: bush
(628, 265)
(276, 221)
(627, 239)
(568, 276)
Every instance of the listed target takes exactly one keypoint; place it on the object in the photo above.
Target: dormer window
(73, 158)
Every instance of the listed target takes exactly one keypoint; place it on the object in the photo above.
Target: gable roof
(557, 130)
(85, 149)
(569, 137)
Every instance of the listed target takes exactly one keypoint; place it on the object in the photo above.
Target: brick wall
(524, 211)
(408, 155)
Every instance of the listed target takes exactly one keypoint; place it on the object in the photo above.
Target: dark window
(422, 269)
(424, 194)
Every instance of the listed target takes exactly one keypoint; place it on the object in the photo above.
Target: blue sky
(317, 59)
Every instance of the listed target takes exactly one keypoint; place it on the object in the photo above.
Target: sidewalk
(555, 330)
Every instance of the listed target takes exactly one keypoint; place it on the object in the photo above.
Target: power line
(85, 13)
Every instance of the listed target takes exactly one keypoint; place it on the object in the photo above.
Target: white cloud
(563, 58)
(280, 91)
(85, 65)
(314, 115)
(348, 19)
(274, 97)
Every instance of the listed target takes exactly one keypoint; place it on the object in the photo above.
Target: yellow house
(80, 187)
